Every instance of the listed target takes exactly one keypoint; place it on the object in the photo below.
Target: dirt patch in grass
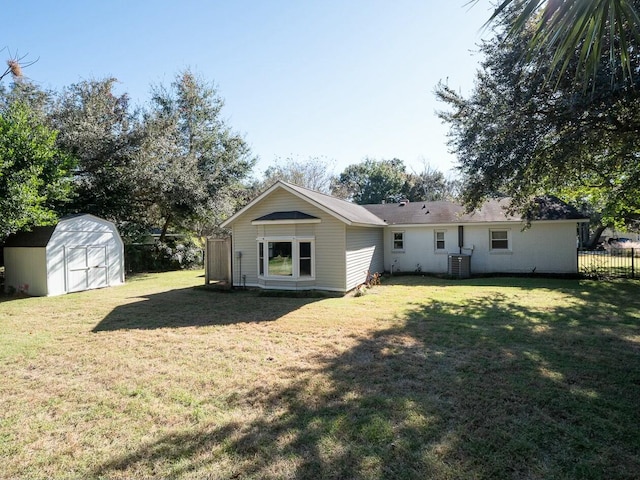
(421, 378)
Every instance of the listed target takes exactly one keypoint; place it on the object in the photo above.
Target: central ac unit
(460, 265)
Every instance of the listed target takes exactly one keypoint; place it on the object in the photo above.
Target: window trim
(444, 241)
(263, 267)
(393, 240)
(506, 249)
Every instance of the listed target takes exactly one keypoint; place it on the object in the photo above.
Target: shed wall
(26, 266)
(44, 269)
(79, 235)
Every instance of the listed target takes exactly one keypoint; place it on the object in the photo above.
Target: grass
(420, 378)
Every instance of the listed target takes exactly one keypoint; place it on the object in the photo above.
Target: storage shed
(81, 252)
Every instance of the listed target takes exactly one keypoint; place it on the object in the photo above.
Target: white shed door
(86, 267)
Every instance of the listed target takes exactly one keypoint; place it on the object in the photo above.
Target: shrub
(182, 254)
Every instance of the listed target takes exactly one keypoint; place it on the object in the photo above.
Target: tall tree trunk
(593, 240)
(163, 233)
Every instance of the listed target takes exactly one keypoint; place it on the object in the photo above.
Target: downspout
(460, 238)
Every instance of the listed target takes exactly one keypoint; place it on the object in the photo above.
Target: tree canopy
(171, 163)
(98, 128)
(35, 176)
(313, 173)
(519, 134)
(374, 181)
(196, 161)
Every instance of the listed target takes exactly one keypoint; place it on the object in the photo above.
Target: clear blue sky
(336, 79)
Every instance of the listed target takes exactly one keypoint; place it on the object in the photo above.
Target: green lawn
(419, 378)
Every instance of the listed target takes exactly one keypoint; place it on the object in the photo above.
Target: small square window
(440, 244)
(398, 240)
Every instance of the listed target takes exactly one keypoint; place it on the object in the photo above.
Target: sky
(338, 80)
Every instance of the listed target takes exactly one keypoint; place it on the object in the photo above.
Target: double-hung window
(398, 241)
(439, 240)
(286, 258)
(499, 240)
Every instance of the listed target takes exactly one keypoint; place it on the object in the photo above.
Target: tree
(195, 161)
(313, 173)
(371, 181)
(430, 185)
(519, 134)
(98, 128)
(34, 174)
(602, 32)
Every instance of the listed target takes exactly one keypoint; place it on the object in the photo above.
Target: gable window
(398, 240)
(286, 257)
(439, 239)
(499, 239)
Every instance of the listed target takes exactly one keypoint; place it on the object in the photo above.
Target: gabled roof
(492, 211)
(347, 212)
(414, 213)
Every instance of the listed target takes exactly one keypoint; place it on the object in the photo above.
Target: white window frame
(444, 241)
(295, 254)
(508, 240)
(393, 240)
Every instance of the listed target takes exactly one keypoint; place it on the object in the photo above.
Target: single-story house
(80, 252)
(290, 237)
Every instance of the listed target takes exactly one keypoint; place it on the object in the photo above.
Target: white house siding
(329, 237)
(545, 247)
(365, 253)
(419, 249)
(26, 266)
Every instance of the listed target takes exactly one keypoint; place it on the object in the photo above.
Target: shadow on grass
(198, 307)
(480, 389)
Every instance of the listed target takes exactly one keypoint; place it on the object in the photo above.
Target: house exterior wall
(329, 244)
(26, 266)
(365, 253)
(545, 247)
(418, 251)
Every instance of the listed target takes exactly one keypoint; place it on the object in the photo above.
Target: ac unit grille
(460, 266)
